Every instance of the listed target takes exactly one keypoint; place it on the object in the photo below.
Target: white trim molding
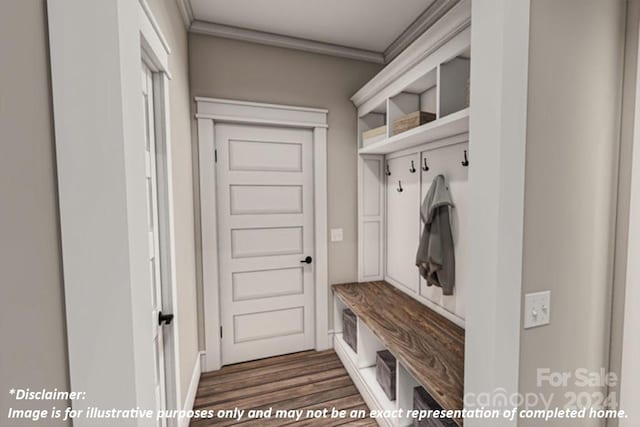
(190, 397)
(454, 22)
(630, 367)
(231, 111)
(101, 175)
(186, 12)
(156, 27)
(211, 111)
(278, 40)
(423, 22)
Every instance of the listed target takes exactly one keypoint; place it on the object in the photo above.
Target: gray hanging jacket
(435, 258)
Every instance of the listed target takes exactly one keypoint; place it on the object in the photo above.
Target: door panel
(267, 283)
(264, 156)
(254, 242)
(268, 324)
(265, 228)
(265, 199)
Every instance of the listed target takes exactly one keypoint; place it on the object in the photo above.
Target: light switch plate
(537, 309)
(336, 235)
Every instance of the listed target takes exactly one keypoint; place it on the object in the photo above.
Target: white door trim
(155, 54)
(630, 367)
(98, 128)
(211, 111)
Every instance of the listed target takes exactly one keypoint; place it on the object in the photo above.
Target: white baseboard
(190, 398)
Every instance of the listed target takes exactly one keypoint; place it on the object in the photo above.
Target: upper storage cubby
(373, 125)
(454, 84)
(422, 95)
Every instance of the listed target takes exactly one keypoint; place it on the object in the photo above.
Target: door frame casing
(209, 113)
(98, 125)
(629, 368)
(155, 55)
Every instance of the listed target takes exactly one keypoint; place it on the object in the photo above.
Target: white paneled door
(154, 242)
(266, 240)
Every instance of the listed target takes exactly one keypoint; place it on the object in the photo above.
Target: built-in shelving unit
(438, 84)
(426, 91)
(454, 124)
(428, 348)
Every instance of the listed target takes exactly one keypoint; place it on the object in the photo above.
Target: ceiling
(362, 24)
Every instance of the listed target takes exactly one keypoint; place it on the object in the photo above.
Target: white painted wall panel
(371, 177)
(403, 225)
(370, 217)
(447, 161)
(371, 248)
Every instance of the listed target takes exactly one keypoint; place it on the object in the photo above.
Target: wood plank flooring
(304, 381)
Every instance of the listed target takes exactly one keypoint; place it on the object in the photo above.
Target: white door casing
(114, 271)
(212, 113)
(630, 367)
(265, 229)
(153, 232)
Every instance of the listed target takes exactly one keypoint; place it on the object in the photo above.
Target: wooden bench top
(429, 346)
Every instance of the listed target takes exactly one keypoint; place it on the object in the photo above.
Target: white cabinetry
(431, 75)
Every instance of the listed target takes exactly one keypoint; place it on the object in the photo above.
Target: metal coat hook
(399, 189)
(465, 162)
(387, 172)
(425, 167)
(413, 167)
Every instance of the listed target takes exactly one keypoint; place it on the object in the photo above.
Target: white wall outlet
(336, 235)
(537, 309)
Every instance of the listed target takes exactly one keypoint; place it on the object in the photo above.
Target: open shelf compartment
(370, 121)
(443, 90)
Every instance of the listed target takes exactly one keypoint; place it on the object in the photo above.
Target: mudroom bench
(429, 349)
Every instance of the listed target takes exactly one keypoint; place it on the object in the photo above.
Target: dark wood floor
(307, 380)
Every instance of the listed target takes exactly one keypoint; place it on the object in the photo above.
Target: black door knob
(307, 260)
(164, 318)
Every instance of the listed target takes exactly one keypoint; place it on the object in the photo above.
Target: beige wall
(32, 321)
(168, 16)
(575, 69)
(246, 71)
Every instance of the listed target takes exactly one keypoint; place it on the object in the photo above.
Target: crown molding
(186, 11)
(431, 14)
(452, 23)
(236, 33)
